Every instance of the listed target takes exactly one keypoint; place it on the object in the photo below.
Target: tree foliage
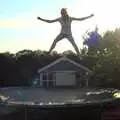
(107, 66)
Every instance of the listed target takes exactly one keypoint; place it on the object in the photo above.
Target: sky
(20, 29)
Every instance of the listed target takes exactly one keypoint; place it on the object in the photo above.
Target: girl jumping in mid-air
(65, 21)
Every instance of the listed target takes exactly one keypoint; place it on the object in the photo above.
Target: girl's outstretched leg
(70, 38)
(58, 38)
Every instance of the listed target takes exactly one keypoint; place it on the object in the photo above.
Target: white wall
(65, 79)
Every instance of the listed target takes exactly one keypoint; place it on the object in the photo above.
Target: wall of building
(61, 78)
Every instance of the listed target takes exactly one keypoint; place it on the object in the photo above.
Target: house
(63, 72)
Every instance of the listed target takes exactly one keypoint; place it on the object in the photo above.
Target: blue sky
(19, 28)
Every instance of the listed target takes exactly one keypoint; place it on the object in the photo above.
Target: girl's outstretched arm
(83, 18)
(48, 21)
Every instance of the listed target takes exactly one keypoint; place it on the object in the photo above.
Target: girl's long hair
(64, 14)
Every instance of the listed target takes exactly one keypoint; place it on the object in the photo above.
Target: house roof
(66, 61)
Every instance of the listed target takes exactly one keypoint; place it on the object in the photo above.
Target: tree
(9, 70)
(107, 66)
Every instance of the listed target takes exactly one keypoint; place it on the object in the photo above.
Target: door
(65, 79)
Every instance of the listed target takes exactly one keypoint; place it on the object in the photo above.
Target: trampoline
(37, 103)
